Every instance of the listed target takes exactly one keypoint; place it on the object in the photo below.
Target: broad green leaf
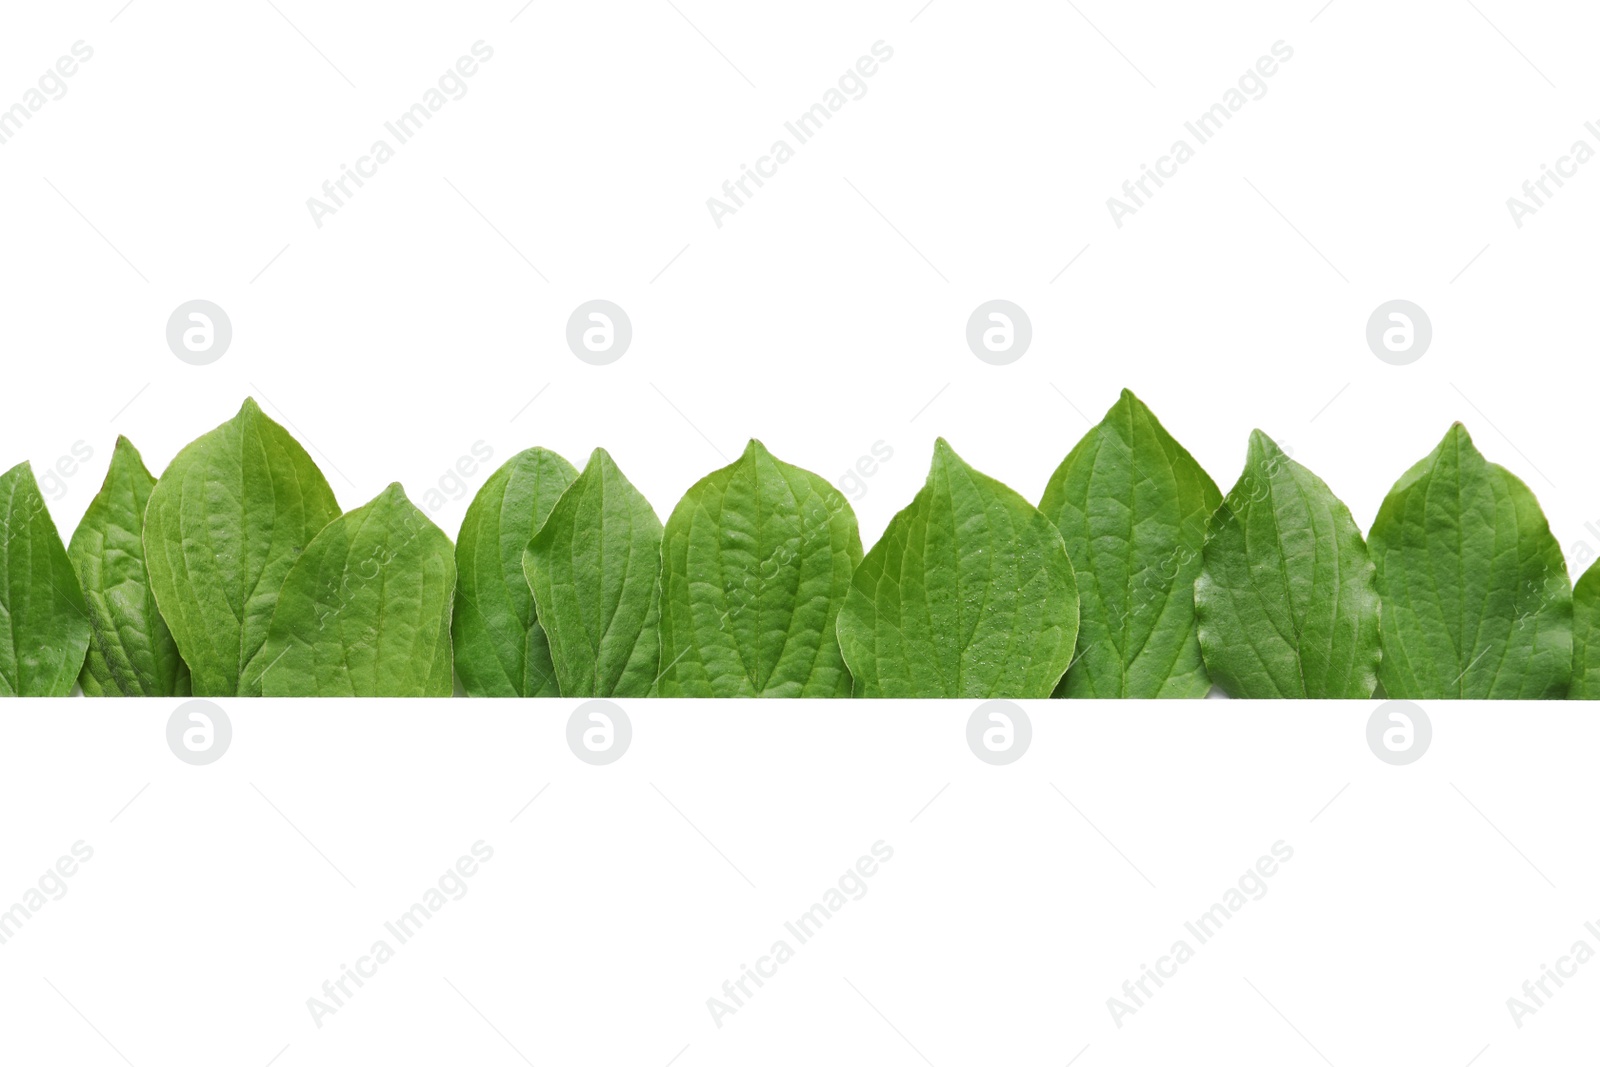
(756, 563)
(1476, 599)
(1586, 636)
(1285, 601)
(225, 522)
(365, 610)
(594, 567)
(44, 623)
(1132, 506)
(501, 649)
(132, 653)
(969, 593)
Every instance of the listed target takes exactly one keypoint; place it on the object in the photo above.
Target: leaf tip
(1458, 439)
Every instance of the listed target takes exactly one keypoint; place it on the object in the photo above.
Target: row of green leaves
(235, 573)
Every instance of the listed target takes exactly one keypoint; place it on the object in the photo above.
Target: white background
(826, 315)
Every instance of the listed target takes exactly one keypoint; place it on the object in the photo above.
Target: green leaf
(756, 563)
(1285, 600)
(594, 567)
(224, 524)
(501, 648)
(1476, 599)
(132, 653)
(44, 623)
(1586, 636)
(365, 610)
(1132, 506)
(969, 593)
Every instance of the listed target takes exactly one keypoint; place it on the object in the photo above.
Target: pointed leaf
(969, 593)
(44, 623)
(132, 653)
(594, 567)
(365, 610)
(1476, 599)
(1285, 600)
(756, 563)
(500, 646)
(1132, 506)
(224, 524)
